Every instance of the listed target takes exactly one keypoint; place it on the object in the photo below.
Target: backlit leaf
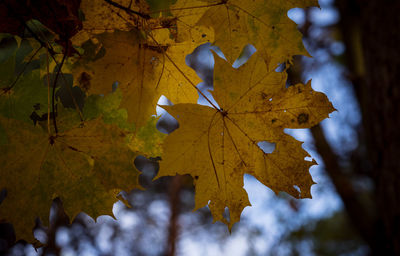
(218, 146)
(85, 166)
(143, 72)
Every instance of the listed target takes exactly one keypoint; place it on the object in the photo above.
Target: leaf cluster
(78, 95)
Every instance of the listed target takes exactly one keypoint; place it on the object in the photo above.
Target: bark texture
(370, 33)
(381, 114)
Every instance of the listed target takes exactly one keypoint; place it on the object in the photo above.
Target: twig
(175, 188)
(127, 10)
(54, 88)
(48, 92)
(343, 186)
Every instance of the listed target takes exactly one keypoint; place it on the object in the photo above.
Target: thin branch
(54, 88)
(342, 182)
(48, 92)
(127, 10)
(175, 188)
(190, 7)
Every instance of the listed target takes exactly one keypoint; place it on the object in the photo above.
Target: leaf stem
(191, 7)
(209, 148)
(187, 78)
(48, 91)
(183, 74)
(54, 88)
(127, 10)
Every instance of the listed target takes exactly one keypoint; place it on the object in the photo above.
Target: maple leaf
(87, 163)
(86, 166)
(145, 55)
(140, 47)
(146, 141)
(143, 73)
(236, 23)
(147, 16)
(102, 15)
(21, 91)
(217, 146)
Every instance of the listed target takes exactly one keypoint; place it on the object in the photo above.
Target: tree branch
(128, 10)
(175, 189)
(342, 181)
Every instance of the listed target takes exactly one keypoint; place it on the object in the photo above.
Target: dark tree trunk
(375, 67)
(381, 114)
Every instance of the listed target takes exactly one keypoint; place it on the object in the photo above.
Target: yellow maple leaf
(236, 23)
(86, 166)
(145, 55)
(217, 146)
(143, 72)
(106, 16)
(124, 15)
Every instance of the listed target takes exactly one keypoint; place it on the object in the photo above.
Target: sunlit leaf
(217, 146)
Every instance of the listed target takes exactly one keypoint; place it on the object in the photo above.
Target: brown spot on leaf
(263, 95)
(168, 22)
(302, 118)
(52, 140)
(84, 81)
(157, 48)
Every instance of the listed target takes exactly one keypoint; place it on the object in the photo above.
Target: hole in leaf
(244, 56)
(115, 86)
(154, 61)
(270, 99)
(167, 123)
(266, 146)
(280, 67)
(308, 158)
(149, 168)
(206, 90)
(161, 102)
(202, 60)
